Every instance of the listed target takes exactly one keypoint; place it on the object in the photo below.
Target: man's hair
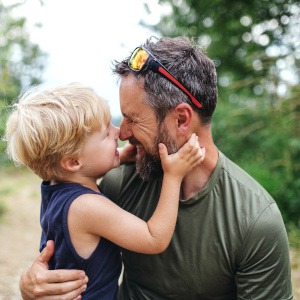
(188, 63)
(47, 125)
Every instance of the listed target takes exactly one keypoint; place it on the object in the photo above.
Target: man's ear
(183, 113)
(70, 164)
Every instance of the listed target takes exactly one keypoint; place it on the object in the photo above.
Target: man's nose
(125, 131)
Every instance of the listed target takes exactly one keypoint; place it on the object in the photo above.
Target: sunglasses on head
(141, 60)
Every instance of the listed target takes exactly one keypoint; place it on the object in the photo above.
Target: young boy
(64, 135)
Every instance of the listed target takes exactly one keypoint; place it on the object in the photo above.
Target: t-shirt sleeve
(264, 264)
(110, 184)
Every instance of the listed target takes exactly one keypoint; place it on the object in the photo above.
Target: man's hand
(40, 283)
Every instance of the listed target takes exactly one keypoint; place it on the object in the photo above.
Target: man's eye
(128, 120)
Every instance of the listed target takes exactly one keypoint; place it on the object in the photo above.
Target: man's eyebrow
(131, 115)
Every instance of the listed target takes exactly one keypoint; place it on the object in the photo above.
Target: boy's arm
(40, 283)
(105, 219)
(175, 166)
(127, 153)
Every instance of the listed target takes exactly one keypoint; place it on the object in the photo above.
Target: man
(230, 241)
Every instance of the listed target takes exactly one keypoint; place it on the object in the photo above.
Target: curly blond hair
(47, 125)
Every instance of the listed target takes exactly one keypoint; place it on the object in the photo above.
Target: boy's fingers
(195, 150)
(202, 156)
(193, 139)
(163, 152)
(189, 147)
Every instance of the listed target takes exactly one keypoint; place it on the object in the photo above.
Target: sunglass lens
(138, 59)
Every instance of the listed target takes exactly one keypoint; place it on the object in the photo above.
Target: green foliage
(255, 45)
(236, 35)
(21, 63)
(294, 237)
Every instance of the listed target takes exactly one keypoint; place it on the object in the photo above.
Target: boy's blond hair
(47, 125)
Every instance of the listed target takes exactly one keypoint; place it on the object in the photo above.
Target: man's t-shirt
(229, 243)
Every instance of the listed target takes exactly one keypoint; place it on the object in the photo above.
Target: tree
(248, 40)
(21, 62)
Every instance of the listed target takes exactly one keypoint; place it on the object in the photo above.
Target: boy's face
(100, 153)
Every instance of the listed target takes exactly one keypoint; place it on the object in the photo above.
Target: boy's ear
(183, 113)
(70, 164)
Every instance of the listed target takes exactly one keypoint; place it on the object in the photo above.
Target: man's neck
(195, 181)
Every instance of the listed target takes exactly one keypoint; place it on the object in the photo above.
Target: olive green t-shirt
(229, 243)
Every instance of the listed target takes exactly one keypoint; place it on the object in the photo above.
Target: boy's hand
(127, 153)
(181, 163)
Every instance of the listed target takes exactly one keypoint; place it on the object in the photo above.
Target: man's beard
(148, 165)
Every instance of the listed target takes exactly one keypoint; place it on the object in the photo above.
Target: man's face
(140, 127)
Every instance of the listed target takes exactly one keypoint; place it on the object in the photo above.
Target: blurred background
(256, 49)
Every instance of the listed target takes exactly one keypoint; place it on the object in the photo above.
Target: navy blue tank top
(103, 267)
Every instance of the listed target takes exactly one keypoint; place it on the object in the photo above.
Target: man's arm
(40, 283)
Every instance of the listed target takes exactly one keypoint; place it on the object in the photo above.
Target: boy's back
(104, 265)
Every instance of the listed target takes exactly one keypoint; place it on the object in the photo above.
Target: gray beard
(148, 166)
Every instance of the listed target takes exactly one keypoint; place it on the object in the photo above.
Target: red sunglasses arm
(176, 82)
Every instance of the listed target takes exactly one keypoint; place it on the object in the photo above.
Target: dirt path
(19, 229)
(20, 232)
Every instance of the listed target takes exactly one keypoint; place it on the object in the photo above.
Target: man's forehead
(131, 94)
